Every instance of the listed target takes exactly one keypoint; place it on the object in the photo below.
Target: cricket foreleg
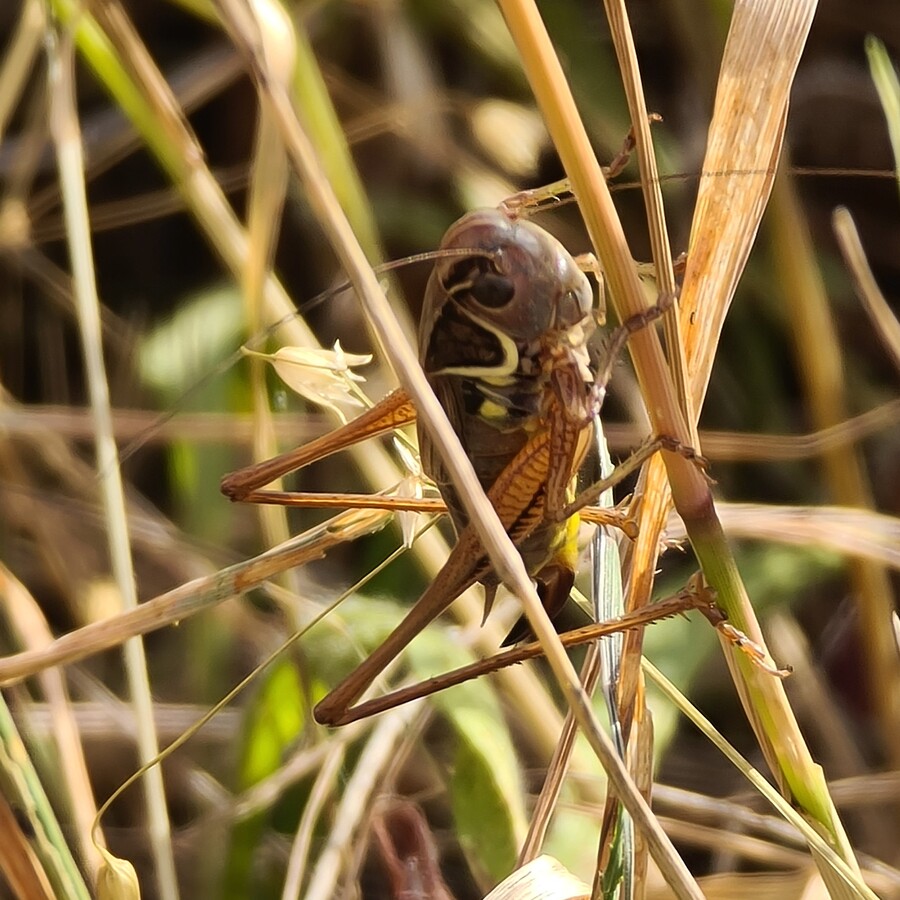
(619, 338)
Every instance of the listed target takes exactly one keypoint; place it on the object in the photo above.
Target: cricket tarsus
(539, 199)
(718, 618)
(751, 649)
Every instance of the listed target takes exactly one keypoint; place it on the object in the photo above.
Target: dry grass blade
(322, 790)
(19, 58)
(845, 530)
(650, 186)
(30, 626)
(886, 325)
(191, 598)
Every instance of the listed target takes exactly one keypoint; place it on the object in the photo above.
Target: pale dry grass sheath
(543, 878)
(322, 789)
(506, 561)
(66, 135)
(201, 594)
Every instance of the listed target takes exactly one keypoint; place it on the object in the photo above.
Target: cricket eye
(492, 291)
(478, 278)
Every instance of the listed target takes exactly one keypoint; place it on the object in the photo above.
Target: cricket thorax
(501, 319)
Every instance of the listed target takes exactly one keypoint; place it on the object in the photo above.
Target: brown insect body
(503, 341)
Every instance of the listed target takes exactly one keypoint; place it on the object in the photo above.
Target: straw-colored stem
(67, 138)
(266, 194)
(322, 791)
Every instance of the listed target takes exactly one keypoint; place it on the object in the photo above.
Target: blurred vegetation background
(439, 120)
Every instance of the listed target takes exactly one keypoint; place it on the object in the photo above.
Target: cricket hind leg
(465, 566)
(394, 411)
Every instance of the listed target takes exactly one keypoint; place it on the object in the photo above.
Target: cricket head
(512, 307)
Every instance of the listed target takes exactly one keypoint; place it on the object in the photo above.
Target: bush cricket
(503, 340)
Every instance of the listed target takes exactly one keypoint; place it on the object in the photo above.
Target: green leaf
(486, 792)
(204, 330)
(273, 725)
(181, 360)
